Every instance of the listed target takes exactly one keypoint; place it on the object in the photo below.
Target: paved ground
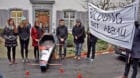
(105, 66)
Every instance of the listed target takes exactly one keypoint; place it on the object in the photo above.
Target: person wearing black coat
(1, 76)
(62, 34)
(133, 55)
(10, 36)
(78, 32)
(91, 43)
(24, 37)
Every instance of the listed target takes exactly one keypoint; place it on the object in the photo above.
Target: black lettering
(113, 17)
(105, 17)
(105, 29)
(113, 30)
(95, 25)
(123, 32)
(118, 19)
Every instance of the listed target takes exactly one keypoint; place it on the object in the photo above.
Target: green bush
(71, 50)
(1, 31)
(101, 45)
(70, 40)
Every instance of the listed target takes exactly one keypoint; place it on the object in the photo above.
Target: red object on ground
(27, 73)
(83, 54)
(61, 70)
(79, 75)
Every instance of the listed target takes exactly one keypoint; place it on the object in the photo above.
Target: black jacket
(10, 37)
(62, 32)
(24, 33)
(91, 38)
(135, 51)
(136, 44)
(79, 31)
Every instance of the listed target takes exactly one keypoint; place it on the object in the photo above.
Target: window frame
(16, 17)
(69, 18)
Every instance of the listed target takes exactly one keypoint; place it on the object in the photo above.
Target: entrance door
(43, 17)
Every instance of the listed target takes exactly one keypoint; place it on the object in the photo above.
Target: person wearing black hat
(133, 55)
(78, 32)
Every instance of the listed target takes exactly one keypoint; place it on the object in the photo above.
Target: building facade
(47, 11)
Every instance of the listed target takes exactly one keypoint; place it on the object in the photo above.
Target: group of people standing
(79, 35)
(24, 31)
(10, 33)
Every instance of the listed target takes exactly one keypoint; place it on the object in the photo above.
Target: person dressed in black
(133, 55)
(24, 35)
(62, 34)
(91, 43)
(10, 36)
(78, 32)
(1, 76)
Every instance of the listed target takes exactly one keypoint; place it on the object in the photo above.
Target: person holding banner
(91, 43)
(78, 32)
(133, 55)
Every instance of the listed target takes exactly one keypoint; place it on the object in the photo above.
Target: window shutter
(25, 13)
(4, 16)
(59, 15)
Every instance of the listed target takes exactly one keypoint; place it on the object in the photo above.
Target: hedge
(70, 42)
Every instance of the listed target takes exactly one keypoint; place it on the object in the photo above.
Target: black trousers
(1, 76)
(36, 52)
(64, 47)
(134, 62)
(91, 49)
(24, 48)
(9, 53)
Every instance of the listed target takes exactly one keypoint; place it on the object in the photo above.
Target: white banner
(116, 27)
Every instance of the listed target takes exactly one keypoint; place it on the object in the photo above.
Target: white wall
(21, 4)
(69, 4)
(64, 5)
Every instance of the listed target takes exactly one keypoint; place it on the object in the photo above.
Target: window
(16, 16)
(69, 17)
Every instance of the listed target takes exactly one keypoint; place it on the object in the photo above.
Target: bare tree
(126, 2)
(107, 4)
(103, 4)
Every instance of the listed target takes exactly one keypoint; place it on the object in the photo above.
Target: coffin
(46, 49)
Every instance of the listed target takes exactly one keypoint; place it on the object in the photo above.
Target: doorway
(43, 16)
